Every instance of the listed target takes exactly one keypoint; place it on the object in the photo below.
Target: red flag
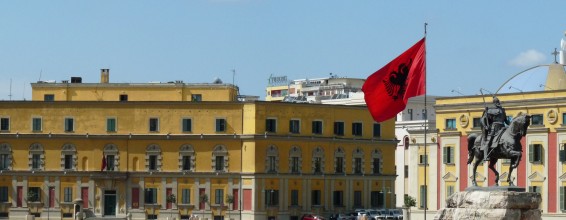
(103, 163)
(387, 90)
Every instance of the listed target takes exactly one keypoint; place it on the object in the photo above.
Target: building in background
(312, 90)
(129, 149)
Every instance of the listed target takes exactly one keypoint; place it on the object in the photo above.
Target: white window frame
(220, 150)
(36, 148)
(6, 149)
(69, 149)
(112, 149)
(295, 152)
(187, 150)
(272, 151)
(153, 150)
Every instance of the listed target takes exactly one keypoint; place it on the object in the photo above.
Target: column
(332, 182)
(15, 192)
(163, 192)
(142, 192)
(129, 193)
(195, 194)
(282, 194)
(57, 191)
(91, 194)
(263, 196)
(174, 186)
(25, 189)
(46, 191)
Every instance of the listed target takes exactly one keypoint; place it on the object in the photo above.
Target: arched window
(377, 162)
(187, 158)
(5, 157)
(112, 156)
(272, 159)
(36, 157)
(339, 161)
(68, 157)
(220, 159)
(153, 158)
(318, 160)
(358, 161)
(295, 160)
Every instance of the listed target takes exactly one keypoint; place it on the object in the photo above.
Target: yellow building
(218, 157)
(543, 164)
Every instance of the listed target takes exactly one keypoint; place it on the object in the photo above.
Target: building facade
(122, 156)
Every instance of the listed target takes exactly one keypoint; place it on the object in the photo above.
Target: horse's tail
(471, 140)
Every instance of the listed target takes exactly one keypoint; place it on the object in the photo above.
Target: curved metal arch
(537, 66)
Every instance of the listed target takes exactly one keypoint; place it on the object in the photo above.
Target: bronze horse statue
(508, 146)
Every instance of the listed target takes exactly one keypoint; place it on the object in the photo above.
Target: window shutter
(539, 149)
(444, 154)
(531, 150)
(562, 198)
(451, 155)
(154, 191)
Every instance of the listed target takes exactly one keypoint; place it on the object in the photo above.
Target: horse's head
(520, 124)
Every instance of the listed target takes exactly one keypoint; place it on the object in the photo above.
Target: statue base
(492, 203)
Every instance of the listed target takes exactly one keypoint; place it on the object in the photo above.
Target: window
(152, 162)
(49, 97)
(535, 153)
(406, 171)
(357, 198)
(69, 124)
(153, 124)
(110, 162)
(271, 125)
(422, 198)
(376, 130)
(448, 155)
(219, 163)
(315, 197)
(449, 191)
(338, 198)
(294, 197)
(423, 159)
(68, 162)
(123, 97)
(186, 163)
(36, 124)
(271, 197)
(186, 125)
(36, 161)
(424, 115)
(476, 122)
(34, 194)
(376, 166)
(357, 129)
(196, 97)
(4, 124)
(272, 161)
(68, 194)
(111, 124)
(3, 194)
(358, 165)
(339, 164)
(151, 196)
(537, 189)
(410, 114)
(562, 153)
(4, 161)
(220, 125)
(294, 164)
(537, 119)
(451, 123)
(294, 126)
(186, 196)
(318, 164)
(316, 127)
(339, 128)
(563, 119)
(219, 196)
(377, 199)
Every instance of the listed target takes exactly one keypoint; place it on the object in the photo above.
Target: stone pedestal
(492, 203)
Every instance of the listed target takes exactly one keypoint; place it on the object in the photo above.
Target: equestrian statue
(498, 141)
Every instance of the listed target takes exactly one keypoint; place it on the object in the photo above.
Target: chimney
(104, 75)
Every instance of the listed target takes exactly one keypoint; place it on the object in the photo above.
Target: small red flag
(387, 90)
(103, 163)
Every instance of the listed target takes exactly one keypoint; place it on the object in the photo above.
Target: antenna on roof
(40, 71)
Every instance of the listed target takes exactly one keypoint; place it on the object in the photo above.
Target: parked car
(341, 216)
(312, 217)
(395, 214)
(377, 214)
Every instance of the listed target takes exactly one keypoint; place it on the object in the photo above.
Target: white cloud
(528, 58)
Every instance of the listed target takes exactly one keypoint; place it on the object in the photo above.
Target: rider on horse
(493, 120)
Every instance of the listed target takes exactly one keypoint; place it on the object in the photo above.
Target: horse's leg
(476, 164)
(492, 163)
(510, 172)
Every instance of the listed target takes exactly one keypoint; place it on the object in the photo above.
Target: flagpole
(425, 130)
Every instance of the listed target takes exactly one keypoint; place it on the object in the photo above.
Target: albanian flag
(387, 90)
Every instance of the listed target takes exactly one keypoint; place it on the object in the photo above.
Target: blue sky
(470, 44)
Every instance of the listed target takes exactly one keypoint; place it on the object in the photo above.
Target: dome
(537, 78)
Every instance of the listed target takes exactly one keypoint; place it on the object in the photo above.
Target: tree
(172, 199)
(230, 201)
